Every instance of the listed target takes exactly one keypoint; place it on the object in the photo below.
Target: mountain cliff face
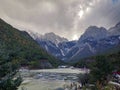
(22, 46)
(89, 47)
(115, 30)
(51, 43)
(48, 37)
(53, 38)
(94, 41)
(94, 33)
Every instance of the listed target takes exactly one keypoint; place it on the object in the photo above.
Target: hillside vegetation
(101, 68)
(21, 45)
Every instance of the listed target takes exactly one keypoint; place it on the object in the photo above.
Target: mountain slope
(51, 43)
(48, 37)
(20, 44)
(95, 40)
(90, 48)
(94, 32)
(115, 30)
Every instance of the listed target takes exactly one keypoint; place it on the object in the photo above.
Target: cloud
(104, 13)
(67, 18)
(115, 1)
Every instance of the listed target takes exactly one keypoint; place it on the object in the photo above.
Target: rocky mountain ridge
(95, 40)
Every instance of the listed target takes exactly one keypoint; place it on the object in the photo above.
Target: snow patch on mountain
(46, 48)
(62, 52)
(94, 40)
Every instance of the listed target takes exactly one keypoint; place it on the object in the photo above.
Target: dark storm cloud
(105, 13)
(64, 17)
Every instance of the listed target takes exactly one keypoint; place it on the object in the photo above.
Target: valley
(59, 44)
(41, 57)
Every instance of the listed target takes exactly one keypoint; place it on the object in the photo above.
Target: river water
(49, 79)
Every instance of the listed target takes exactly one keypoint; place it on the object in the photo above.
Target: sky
(66, 18)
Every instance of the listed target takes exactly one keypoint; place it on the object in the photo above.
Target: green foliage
(22, 46)
(8, 70)
(101, 69)
(84, 63)
(115, 59)
(34, 64)
(17, 49)
(83, 79)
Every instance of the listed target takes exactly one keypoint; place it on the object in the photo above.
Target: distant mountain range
(48, 37)
(94, 41)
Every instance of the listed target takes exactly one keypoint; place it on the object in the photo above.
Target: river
(49, 79)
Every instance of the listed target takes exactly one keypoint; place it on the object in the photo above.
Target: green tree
(101, 71)
(83, 79)
(9, 80)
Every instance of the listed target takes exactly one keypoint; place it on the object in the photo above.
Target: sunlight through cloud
(75, 37)
(80, 14)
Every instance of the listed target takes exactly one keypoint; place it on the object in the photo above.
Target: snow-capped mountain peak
(94, 32)
(95, 40)
(53, 38)
(48, 37)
